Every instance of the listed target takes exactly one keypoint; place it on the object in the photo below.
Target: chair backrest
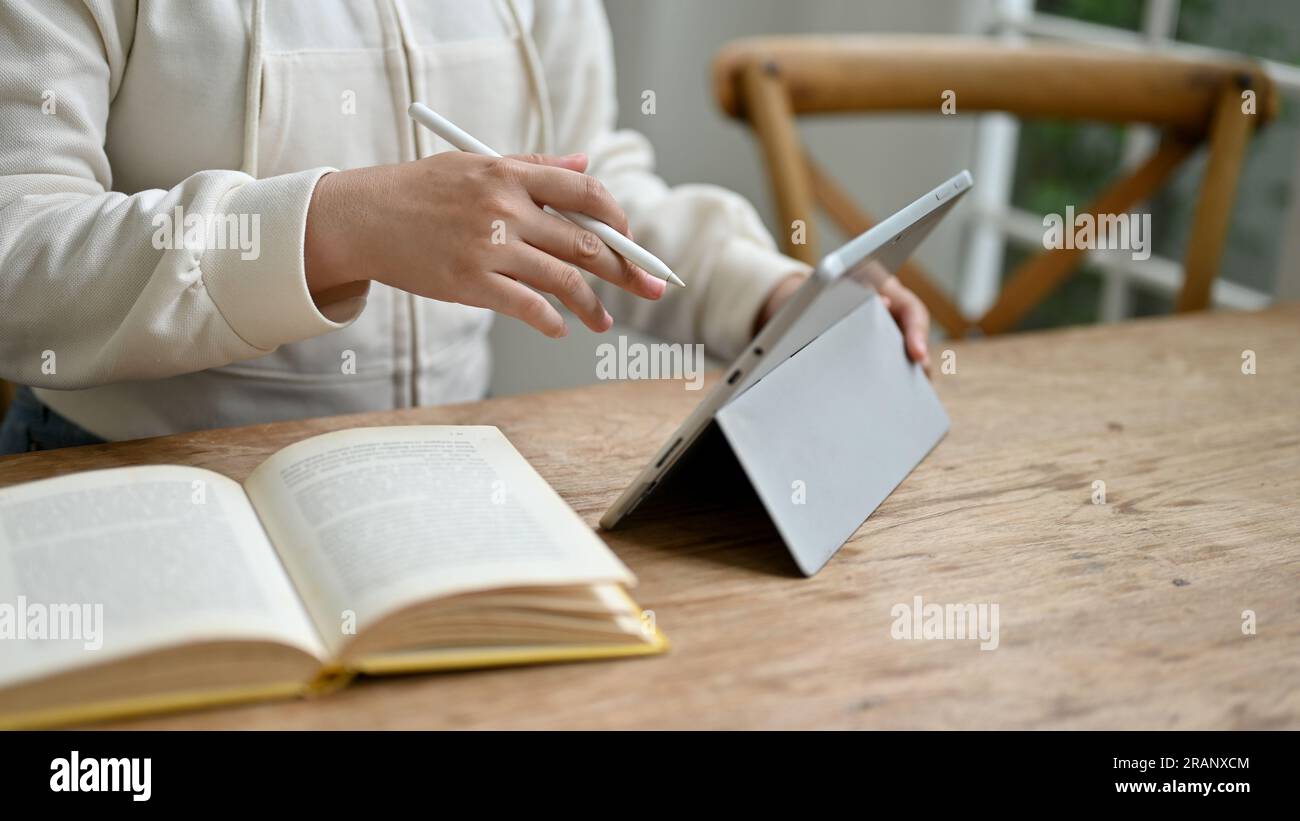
(770, 81)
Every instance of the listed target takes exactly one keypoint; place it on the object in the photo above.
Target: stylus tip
(674, 279)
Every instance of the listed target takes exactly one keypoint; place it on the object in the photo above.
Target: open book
(374, 550)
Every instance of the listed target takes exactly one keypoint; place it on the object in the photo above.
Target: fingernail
(609, 321)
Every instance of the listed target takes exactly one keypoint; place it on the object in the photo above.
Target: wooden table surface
(1126, 614)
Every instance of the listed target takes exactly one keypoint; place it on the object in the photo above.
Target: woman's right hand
(469, 229)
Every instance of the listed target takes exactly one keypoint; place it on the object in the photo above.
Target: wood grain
(830, 74)
(1126, 614)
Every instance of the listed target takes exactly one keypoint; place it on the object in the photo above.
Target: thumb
(572, 162)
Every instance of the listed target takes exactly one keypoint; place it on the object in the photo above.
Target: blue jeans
(30, 425)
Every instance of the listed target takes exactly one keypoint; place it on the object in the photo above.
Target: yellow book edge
(329, 680)
(477, 657)
(148, 705)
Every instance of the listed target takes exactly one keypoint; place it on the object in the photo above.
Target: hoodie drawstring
(415, 88)
(421, 147)
(253, 92)
(536, 78)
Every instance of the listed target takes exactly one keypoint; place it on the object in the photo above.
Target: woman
(179, 251)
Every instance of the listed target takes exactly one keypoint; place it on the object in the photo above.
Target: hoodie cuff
(262, 293)
(744, 274)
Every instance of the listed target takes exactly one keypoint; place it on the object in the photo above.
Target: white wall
(667, 46)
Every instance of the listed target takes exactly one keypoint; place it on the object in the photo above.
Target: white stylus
(620, 244)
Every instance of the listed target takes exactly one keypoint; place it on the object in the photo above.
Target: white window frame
(995, 221)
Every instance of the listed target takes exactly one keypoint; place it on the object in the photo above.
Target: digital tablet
(840, 284)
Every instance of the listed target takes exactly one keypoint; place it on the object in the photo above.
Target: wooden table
(1126, 614)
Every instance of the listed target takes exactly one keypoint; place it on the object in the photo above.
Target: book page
(103, 564)
(373, 519)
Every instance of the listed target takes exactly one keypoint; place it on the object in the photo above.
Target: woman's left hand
(908, 310)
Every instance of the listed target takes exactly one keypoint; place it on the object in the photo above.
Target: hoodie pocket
(482, 86)
(339, 108)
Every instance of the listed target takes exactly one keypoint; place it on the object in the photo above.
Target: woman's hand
(908, 310)
(913, 319)
(463, 228)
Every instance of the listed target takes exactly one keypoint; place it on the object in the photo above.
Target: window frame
(995, 222)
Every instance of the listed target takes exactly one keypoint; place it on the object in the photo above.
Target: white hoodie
(115, 112)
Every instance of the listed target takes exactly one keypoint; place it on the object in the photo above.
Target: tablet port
(667, 453)
(731, 380)
(644, 493)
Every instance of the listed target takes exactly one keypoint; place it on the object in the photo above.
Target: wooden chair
(770, 81)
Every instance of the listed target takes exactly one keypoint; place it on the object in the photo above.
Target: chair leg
(767, 104)
(1229, 135)
(1038, 276)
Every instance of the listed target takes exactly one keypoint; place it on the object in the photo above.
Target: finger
(914, 319)
(502, 294)
(566, 190)
(564, 240)
(912, 316)
(546, 273)
(570, 162)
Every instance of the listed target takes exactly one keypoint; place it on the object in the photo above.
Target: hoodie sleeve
(93, 289)
(711, 237)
